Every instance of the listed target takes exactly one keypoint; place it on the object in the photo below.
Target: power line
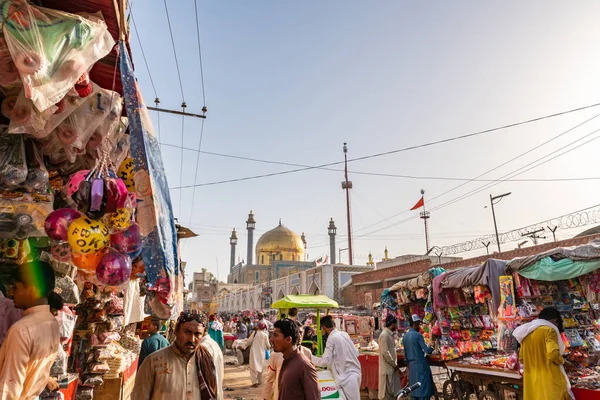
(428, 144)
(174, 51)
(200, 54)
(480, 175)
(143, 53)
(487, 186)
(384, 174)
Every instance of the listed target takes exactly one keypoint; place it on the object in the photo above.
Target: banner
(154, 209)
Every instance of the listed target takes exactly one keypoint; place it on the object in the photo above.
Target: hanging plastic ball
(120, 220)
(75, 180)
(114, 268)
(128, 241)
(88, 262)
(123, 192)
(58, 221)
(88, 235)
(61, 252)
(125, 172)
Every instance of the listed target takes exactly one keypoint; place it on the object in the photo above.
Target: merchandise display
(77, 192)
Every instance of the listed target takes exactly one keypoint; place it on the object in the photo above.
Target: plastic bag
(52, 49)
(23, 215)
(40, 123)
(37, 174)
(68, 290)
(60, 363)
(9, 74)
(13, 168)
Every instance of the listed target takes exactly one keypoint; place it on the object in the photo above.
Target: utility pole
(425, 217)
(347, 185)
(534, 235)
(553, 231)
(492, 199)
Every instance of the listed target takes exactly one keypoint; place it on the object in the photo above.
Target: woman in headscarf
(215, 331)
(259, 342)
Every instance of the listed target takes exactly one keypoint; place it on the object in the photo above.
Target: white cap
(415, 318)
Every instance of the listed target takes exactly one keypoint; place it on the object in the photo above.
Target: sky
(292, 81)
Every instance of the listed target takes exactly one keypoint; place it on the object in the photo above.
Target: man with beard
(184, 370)
(389, 380)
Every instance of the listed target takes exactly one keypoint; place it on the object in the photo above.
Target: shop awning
(588, 252)
(305, 301)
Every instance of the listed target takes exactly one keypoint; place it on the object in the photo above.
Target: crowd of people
(191, 365)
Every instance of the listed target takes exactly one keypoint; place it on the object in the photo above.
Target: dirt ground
(237, 385)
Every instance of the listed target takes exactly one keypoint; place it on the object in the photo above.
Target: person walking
(297, 377)
(418, 367)
(541, 353)
(31, 343)
(215, 330)
(261, 318)
(271, 390)
(259, 344)
(389, 380)
(184, 370)
(152, 343)
(217, 355)
(341, 358)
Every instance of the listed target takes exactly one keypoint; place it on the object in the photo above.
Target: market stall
(81, 187)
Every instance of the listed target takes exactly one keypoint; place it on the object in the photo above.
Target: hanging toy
(128, 241)
(114, 268)
(58, 221)
(111, 195)
(120, 220)
(125, 172)
(87, 235)
(88, 262)
(61, 252)
(74, 181)
(97, 194)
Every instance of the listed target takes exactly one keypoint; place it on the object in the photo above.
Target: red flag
(419, 204)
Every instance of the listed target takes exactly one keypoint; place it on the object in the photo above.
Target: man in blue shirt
(153, 342)
(418, 368)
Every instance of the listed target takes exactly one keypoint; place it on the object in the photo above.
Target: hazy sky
(291, 81)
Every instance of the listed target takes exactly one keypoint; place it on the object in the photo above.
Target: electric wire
(143, 53)
(423, 145)
(174, 51)
(199, 52)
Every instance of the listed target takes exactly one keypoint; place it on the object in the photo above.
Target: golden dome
(279, 243)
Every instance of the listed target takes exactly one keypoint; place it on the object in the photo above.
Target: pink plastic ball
(114, 268)
(75, 180)
(58, 221)
(128, 241)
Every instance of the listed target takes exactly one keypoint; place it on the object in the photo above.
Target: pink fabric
(438, 299)
(8, 316)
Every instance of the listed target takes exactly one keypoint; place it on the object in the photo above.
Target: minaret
(303, 238)
(370, 263)
(332, 231)
(250, 225)
(385, 255)
(233, 242)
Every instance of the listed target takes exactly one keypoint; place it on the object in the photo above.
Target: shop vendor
(418, 368)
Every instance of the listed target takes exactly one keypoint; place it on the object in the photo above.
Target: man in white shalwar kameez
(217, 355)
(341, 358)
(259, 342)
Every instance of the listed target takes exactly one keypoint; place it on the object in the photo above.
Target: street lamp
(492, 199)
(340, 254)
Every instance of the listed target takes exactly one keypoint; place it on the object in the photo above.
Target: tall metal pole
(495, 224)
(494, 216)
(347, 185)
(425, 216)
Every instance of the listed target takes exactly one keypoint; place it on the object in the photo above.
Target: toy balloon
(75, 180)
(125, 172)
(61, 252)
(58, 221)
(114, 268)
(90, 261)
(128, 241)
(120, 220)
(88, 235)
